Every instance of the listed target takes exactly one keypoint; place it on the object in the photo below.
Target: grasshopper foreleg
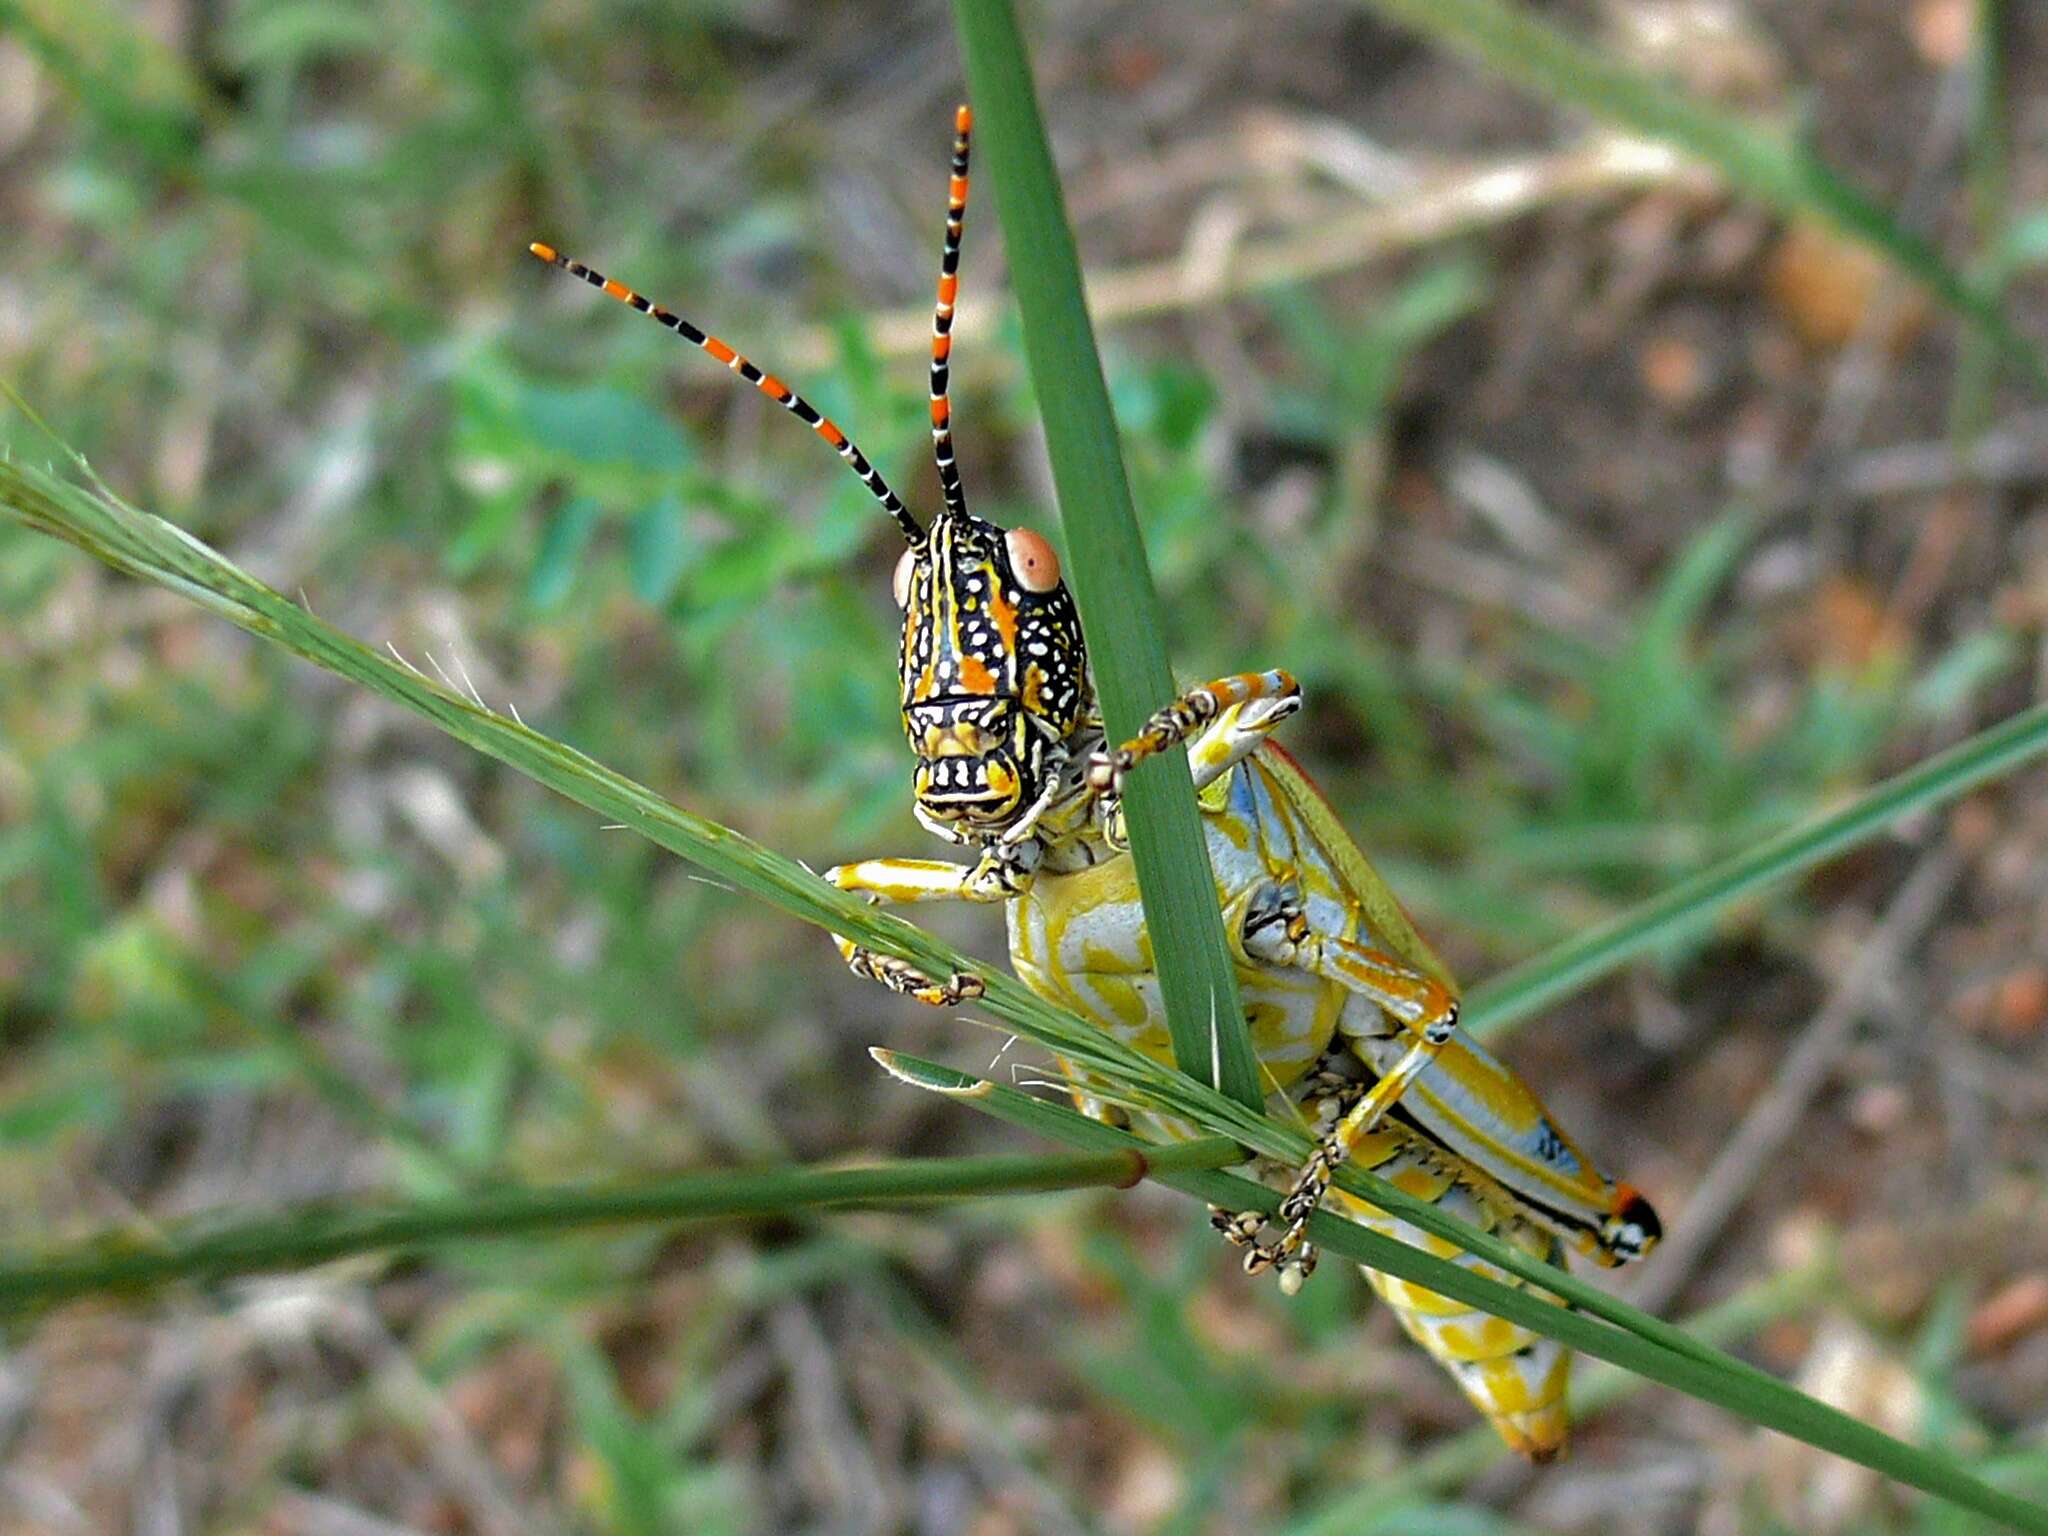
(1002, 872)
(901, 976)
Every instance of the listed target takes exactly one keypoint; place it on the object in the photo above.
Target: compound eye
(1035, 566)
(900, 582)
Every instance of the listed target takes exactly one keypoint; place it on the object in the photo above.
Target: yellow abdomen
(1079, 940)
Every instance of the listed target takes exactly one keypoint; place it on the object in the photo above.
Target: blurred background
(1611, 522)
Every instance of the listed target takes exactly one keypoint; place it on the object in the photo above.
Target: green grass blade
(1986, 157)
(151, 549)
(1110, 578)
(1521, 47)
(155, 550)
(1287, 1144)
(298, 1239)
(1709, 1376)
(1692, 904)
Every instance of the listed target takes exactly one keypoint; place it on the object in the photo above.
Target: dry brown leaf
(1825, 287)
(1941, 30)
(2009, 1314)
(2021, 1003)
(1847, 627)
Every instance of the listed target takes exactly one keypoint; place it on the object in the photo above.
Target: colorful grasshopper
(1352, 1016)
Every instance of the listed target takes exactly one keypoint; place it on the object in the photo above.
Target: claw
(901, 976)
(956, 989)
(1106, 771)
(1239, 1228)
(1294, 1274)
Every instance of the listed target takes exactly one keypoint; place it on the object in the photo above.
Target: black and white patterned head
(993, 667)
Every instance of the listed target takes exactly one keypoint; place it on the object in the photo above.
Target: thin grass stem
(130, 1265)
(1694, 903)
(1108, 572)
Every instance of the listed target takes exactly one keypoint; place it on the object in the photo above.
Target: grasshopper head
(994, 672)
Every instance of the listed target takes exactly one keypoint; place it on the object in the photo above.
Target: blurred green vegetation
(263, 940)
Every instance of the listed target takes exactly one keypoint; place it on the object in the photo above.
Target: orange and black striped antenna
(767, 383)
(942, 318)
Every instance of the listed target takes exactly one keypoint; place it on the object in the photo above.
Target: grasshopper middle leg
(1420, 1003)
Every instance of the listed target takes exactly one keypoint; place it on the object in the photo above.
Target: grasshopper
(1352, 1015)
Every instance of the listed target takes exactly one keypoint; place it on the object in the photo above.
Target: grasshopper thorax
(993, 668)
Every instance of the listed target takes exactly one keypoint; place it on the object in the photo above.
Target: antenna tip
(963, 118)
(546, 253)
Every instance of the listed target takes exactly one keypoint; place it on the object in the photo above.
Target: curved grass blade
(147, 547)
(1288, 1145)
(1705, 1374)
(1112, 582)
(1694, 903)
(155, 550)
(1521, 47)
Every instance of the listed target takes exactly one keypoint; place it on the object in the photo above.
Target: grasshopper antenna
(767, 383)
(942, 318)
